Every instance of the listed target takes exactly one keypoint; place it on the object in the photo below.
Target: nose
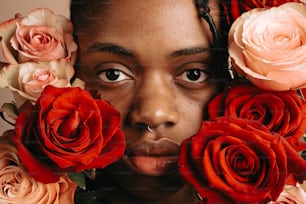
(154, 105)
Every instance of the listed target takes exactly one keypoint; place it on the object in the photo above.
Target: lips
(152, 158)
(162, 147)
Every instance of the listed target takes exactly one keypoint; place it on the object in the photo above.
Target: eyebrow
(111, 48)
(190, 51)
(116, 49)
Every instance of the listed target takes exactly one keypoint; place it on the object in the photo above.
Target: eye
(113, 75)
(195, 75)
(112, 72)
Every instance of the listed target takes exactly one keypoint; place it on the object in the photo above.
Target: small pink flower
(33, 80)
(29, 79)
(268, 46)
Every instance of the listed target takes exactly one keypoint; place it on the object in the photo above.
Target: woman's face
(151, 60)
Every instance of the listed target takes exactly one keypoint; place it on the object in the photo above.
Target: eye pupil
(194, 74)
(112, 74)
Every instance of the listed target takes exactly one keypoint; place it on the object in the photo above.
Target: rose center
(69, 127)
(39, 39)
(241, 163)
(41, 76)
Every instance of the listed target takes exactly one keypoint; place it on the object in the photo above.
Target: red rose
(233, 159)
(234, 8)
(68, 130)
(283, 112)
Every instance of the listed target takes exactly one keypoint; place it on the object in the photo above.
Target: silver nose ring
(149, 129)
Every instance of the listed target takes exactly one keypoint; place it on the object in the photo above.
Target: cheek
(119, 99)
(190, 121)
(192, 109)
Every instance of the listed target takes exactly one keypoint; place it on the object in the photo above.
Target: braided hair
(219, 46)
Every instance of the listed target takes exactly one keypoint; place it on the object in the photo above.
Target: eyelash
(105, 75)
(196, 73)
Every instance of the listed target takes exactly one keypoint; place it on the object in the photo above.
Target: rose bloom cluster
(282, 112)
(61, 131)
(66, 131)
(249, 151)
(236, 160)
(39, 50)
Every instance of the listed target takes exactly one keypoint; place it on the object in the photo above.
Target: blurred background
(8, 9)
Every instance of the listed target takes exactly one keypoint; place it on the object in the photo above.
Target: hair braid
(204, 12)
(220, 54)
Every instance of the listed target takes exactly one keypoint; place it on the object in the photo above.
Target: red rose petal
(68, 130)
(237, 156)
(37, 170)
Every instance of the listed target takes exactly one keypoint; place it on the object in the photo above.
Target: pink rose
(29, 79)
(18, 187)
(41, 36)
(268, 46)
(234, 8)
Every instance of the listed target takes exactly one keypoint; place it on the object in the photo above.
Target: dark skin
(151, 60)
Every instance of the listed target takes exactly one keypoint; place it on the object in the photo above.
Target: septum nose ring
(149, 129)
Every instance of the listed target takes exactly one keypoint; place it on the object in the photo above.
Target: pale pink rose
(268, 46)
(291, 195)
(40, 36)
(29, 79)
(18, 187)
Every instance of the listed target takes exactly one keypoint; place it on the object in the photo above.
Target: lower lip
(152, 165)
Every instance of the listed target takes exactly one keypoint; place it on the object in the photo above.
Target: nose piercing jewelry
(149, 129)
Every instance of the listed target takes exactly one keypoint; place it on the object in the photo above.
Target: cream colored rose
(291, 194)
(29, 79)
(18, 187)
(41, 36)
(268, 46)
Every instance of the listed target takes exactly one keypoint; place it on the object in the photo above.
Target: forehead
(147, 23)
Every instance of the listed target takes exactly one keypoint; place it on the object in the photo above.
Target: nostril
(141, 125)
(168, 124)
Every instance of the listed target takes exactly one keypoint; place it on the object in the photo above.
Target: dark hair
(83, 11)
(219, 46)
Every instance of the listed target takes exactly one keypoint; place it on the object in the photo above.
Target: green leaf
(91, 174)
(304, 155)
(79, 178)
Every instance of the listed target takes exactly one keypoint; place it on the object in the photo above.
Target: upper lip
(162, 147)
